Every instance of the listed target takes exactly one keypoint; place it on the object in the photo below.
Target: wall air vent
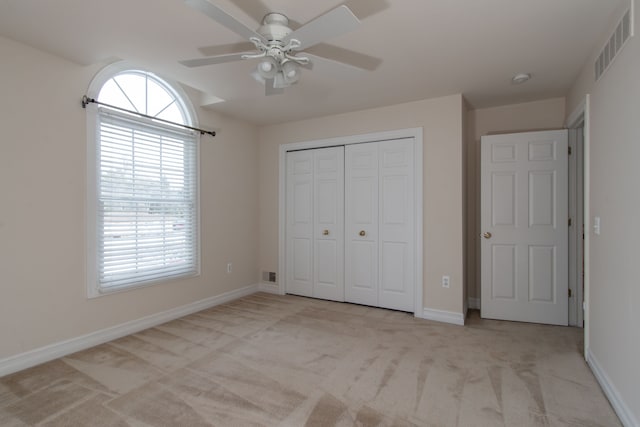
(622, 33)
(269, 276)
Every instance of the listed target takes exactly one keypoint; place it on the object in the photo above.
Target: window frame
(93, 287)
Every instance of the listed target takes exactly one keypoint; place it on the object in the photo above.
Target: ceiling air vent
(616, 41)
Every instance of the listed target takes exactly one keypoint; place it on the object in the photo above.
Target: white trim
(619, 406)
(576, 116)
(93, 289)
(271, 288)
(474, 303)
(576, 242)
(417, 135)
(53, 351)
(443, 316)
(583, 112)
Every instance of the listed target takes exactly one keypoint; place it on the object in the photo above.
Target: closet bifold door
(380, 224)
(361, 224)
(328, 256)
(397, 225)
(315, 223)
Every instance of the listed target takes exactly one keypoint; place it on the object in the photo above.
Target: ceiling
(425, 48)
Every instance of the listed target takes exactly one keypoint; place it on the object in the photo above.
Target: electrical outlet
(445, 281)
(229, 268)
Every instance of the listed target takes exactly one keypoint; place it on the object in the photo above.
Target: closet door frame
(417, 135)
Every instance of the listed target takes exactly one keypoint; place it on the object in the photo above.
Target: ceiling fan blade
(219, 59)
(257, 10)
(254, 8)
(223, 18)
(366, 8)
(225, 49)
(334, 62)
(332, 24)
(345, 56)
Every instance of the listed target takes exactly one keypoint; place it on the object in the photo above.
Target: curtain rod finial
(86, 100)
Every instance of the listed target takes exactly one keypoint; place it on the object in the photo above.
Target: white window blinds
(147, 194)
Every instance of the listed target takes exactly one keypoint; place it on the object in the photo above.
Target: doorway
(576, 195)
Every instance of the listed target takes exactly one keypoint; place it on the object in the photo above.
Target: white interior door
(524, 221)
(379, 217)
(300, 223)
(329, 224)
(361, 223)
(315, 223)
(396, 225)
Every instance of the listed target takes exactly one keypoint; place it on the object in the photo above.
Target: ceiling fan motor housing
(275, 27)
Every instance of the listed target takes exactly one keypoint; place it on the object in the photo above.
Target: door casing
(581, 115)
(417, 135)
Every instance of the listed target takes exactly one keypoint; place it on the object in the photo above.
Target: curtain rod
(86, 100)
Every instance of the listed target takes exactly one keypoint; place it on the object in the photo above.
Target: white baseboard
(53, 351)
(474, 303)
(443, 316)
(271, 288)
(627, 417)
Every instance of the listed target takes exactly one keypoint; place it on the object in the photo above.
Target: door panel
(396, 239)
(379, 212)
(542, 278)
(504, 279)
(329, 223)
(361, 224)
(503, 200)
(524, 257)
(394, 256)
(542, 200)
(299, 233)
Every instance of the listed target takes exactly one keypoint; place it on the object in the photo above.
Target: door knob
(325, 233)
(362, 233)
(487, 235)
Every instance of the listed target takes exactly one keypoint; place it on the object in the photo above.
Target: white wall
(539, 115)
(442, 120)
(614, 310)
(42, 198)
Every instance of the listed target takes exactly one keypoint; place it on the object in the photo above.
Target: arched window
(143, 175)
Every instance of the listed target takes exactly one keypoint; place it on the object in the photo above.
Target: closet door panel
(396, 239)
(300, 218)
(329, 223)
(361, 219)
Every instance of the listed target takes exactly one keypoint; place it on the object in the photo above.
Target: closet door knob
(325, 233)
(362, 233)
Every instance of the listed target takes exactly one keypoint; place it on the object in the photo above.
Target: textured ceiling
(427, 48)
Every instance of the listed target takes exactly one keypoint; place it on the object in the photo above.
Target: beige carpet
(267, 360)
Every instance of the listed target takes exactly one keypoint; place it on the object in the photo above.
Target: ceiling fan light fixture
(268, 68)
(291, 72)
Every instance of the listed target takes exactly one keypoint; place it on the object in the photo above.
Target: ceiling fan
(277, 46)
